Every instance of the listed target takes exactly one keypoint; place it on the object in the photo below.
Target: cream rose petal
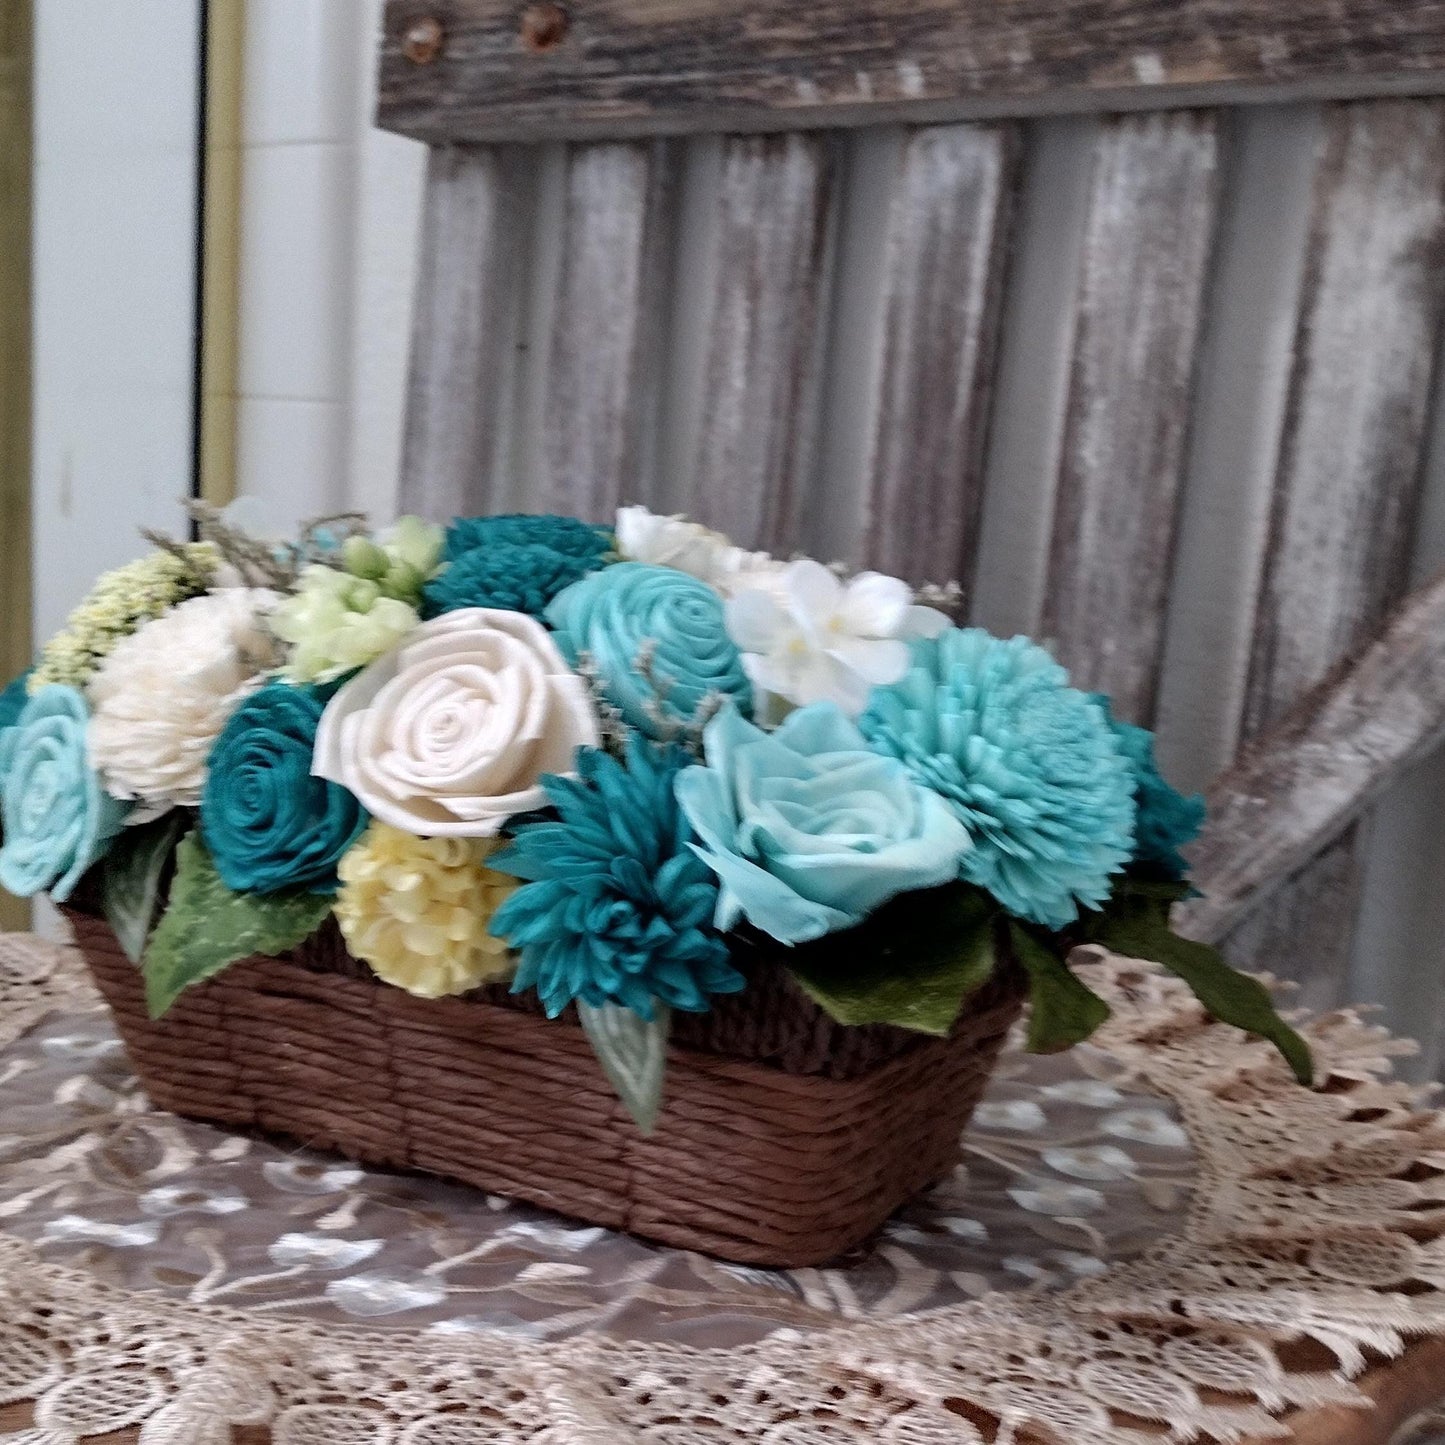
(449, 734)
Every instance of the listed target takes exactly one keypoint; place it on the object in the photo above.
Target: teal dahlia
(617, 908)
(509, 576)
(562, 534)
(1166, 818)
(1030, 765)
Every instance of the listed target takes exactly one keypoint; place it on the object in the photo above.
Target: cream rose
(449, 734)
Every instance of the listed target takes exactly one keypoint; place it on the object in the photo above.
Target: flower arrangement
(600, 763)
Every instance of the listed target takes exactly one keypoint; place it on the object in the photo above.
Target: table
(1157, 1230)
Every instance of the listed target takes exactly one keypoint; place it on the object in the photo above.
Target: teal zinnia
(1166, 818)
(1029, 764)
(510, 576)
(562, 534)
(617, 908)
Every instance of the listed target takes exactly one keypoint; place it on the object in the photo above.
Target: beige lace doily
(1158, 1238)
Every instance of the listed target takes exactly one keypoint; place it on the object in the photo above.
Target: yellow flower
(417, 910)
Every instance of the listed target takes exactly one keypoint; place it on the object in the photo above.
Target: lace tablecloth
(1157, 1237)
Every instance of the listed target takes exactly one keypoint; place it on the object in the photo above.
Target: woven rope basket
(784, 1139)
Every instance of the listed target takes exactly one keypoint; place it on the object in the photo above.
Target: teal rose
(657, 639)
(58, 820)
(268, 823)
(807, 829)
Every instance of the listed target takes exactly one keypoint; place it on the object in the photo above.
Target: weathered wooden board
(610, 301)
(466, 297)
(495, 69)
(1296, 788)
(1139, 304)
(765, 298)
(1350, 462)
(946, 248)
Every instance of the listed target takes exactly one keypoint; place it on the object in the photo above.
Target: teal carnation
(1166, 818)
(1028, 763)
(58, 820)
(617, 907)
(658, 640)
(807, 829)
(268, 823)
(562, 534)
(509, 576)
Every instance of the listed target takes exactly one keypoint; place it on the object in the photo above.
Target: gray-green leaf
(911, 964)
(1064, 1010)
(1230, 996)
(131, 879)
(633, 1055)
(206, 927)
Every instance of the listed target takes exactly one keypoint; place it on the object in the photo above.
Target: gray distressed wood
(615, 67)
(1350, 462)
(611, 296)
(460, 375)
(761, 373)
(946, 248)
(1298, 787)
(1139, 305)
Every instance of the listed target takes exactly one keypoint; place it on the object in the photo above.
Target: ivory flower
(418, 909)
(644, 536)
(449, 734)
(807, 636)
(164, 693)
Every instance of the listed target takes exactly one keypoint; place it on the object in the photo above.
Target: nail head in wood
(544, 27)
(423, 40)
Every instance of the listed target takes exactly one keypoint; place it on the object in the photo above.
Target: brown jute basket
(784, 1139)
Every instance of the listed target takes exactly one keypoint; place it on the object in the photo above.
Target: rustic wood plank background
(478, 70)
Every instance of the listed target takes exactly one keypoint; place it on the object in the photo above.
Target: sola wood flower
(164, 693)
(807, 636)
(418, 909)
(1031, 766)
(449, 734)
(644, 536)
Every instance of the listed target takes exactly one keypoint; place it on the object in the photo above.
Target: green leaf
(131, 879)
(207, 926)
(911, 963)
(633, 1055)
(1065, 1011)
(1230, 996)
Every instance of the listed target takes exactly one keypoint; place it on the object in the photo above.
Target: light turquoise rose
(807, 829)
(58, 820)
(658, 641)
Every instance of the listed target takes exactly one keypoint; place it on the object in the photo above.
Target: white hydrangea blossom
(807, 635)
(644, 536)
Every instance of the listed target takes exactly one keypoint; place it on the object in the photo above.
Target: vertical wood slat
(610, 304)
(1350, 469)
(1140, 302)
(761, 372)
(460, 371)
(947, 240)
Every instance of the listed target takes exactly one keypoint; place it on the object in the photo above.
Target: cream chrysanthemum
(417, 910)
(117, 605)
(162, 696)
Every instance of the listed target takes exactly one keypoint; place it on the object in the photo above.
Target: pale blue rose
(58, 819)
(808, 830)
(616, 614)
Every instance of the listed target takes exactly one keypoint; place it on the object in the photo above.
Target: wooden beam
(476, 70)
(1302, 784)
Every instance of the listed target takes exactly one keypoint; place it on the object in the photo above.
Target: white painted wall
(114, 283)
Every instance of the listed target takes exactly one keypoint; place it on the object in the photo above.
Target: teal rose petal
(57, 818)
(614, 614)
(807, 830)
(268, 823)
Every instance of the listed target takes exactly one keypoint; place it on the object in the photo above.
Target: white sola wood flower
(644, 536)
(162, 696)
(808, 636)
